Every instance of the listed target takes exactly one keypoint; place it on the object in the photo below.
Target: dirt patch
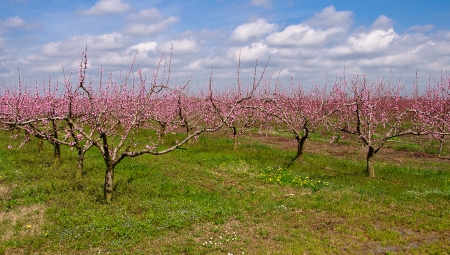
(349, 150)
(422, 155)
(411, 240)
(21, 221)
(4, 192)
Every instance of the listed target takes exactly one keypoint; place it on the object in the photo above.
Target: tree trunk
(56, 145)
(162, 129)
(109, 174)
(109, 183)
(300, 144)
(80, 164)
(370, 162)
(235, 138)
(40, 147)
(441, 143)
(57, 152)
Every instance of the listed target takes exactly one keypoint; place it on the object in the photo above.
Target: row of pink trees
(109, 115)
(22, 107)
(433, 109)
(374, 112)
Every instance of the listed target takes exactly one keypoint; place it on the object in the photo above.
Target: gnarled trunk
(441, 144)
(300, 144)
(56, 145)
(235, 138)
(370, 162)
(109, 173)
(57, 152)
(109, 183)
(80, 164)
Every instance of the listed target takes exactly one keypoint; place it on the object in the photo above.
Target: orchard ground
(206, 198)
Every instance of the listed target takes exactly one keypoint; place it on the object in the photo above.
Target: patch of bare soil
(20, 221)
(412, 240)
(4, 191)
(351, 150)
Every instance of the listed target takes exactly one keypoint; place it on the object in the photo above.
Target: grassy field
(208, 199)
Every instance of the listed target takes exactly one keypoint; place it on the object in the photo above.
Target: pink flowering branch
(374, 112)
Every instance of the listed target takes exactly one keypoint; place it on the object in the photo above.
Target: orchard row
(107, 115)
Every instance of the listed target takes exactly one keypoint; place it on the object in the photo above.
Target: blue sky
(309, 40)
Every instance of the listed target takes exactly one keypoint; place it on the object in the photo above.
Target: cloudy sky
(307, 39)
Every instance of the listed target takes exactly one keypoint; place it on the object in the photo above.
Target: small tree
(300, 112)
(235, 107)
(374, 112)
(433, 109)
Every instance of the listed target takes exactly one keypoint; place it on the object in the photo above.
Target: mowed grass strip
(209, 199)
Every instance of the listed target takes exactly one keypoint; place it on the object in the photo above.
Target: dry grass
(22, 221)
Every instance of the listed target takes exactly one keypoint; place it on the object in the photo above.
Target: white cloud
(204, 64)
(251, 52)
(105, 7)
(15, 22)
(75, 45)
(327, 26)
(195, 65)
(402, 60)
(302, 35)
(183, 46)
(205, 34)
(143, 29)
(115, 59)
(373, 41)
(329, 18)
(148, 22)
(252, 30)
(420, 29)
(147, 14)
(382, 22)
(298, 52)
(263, 3)
(54, 67)
(143, 47)
(18, 22)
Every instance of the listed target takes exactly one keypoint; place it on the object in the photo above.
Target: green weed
(284, 176)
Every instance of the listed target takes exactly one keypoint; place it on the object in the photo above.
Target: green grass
(208, 199)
